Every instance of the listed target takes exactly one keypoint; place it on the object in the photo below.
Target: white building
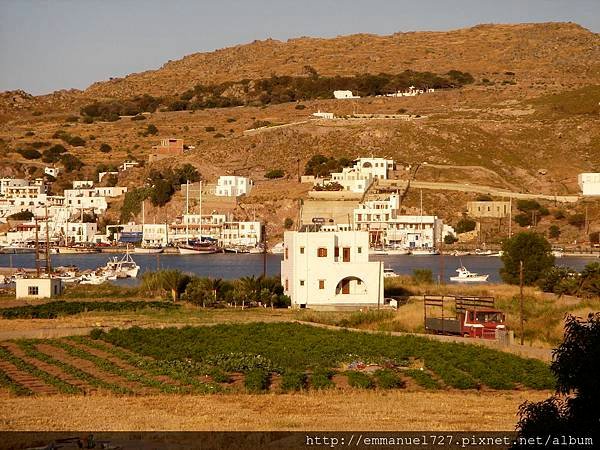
(330, 270)
(110, 191)
(11, 182)
(156, 234)
(233, 186)
(351, 179)
(589, 183)
(52, 171)
(376, 167)
(101, 175)
(128, 165)
(38, 287)
(388, 228)
(83, 184)
(344, 95)
(246, 234)
(324, 115)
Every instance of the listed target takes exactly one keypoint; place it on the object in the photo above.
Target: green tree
(71, 162)
(186, 173)
(575, 406)
(288, 223)
(554, 231)
(151, 130)
(577, 220)
(173, 281)
(29, 153)
(274, 173)
(523, 219)
(535, 252)
(161, 194)
(465, 225)
(105, 148)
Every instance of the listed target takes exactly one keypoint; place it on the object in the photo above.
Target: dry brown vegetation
(336, 411)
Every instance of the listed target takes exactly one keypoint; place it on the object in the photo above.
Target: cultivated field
(280, 376)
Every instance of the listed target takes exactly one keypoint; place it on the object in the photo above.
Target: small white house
(52, 171)
(344, 95)
(377, 167)
(589, 183)
(324, 115)
(233, 186)
(38, 287)
(101, 175)
(83, 184)
(330, 270)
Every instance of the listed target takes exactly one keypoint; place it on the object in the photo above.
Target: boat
(424, 251)
(557, 253)
(77, 249)
(236, 249)
(465, 276)
(17, 248)
(148, 249)
(258, 249)
(195, 247)
(388, 272)
(93, 278)
(125, 267)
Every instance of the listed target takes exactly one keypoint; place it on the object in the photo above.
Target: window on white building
(321, 284)
(302, 250)
(301, 282)
(322, 252)
(33, 290)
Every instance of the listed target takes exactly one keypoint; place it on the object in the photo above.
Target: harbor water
(231, 266)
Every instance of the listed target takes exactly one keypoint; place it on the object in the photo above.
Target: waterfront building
(38, 287)
(330, 270)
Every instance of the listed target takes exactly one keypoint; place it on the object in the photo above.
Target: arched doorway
(351, 286)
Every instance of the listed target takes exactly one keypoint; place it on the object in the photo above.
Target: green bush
(105, 148)
(554, 232)
(96, 333)
(577, 220)
(151, 130)
(422, 276)
(388, 379)
(523, 219)
(256, 381)
(71, 162)
(293, 381)
(29, 153)
(321, 379)
(360, 380)
(288, 223)
(219, 375)
(274, 173)
(209, 129)
(422, 378)
(465, 225)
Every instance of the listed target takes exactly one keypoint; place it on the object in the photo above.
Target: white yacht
(388, 272)
(465, 276)
(424, 251)
(125, 267)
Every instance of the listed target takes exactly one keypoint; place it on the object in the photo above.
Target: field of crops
(56, 309)
(257, 357)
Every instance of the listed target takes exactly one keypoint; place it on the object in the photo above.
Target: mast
(48, 262)
(143, 219)
(187, 210)
(200, 205)
(421, 219)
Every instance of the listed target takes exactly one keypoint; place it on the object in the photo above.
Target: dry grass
(336, 411)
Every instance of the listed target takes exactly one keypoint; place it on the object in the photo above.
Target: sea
(232, 266)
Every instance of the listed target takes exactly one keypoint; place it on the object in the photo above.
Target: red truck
(465, 316)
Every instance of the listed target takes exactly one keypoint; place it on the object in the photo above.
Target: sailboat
(423, 250)
(147, 248)
(196, 246)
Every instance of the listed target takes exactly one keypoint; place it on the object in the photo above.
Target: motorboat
(388, 272)
(77, 249)
(93, 278)
(465, 276)
(124, 267)
(258, 249)
(17, 248)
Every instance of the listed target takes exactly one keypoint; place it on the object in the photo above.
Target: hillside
(553, 52)
(535, 99)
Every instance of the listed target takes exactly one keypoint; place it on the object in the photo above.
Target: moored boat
(466, 276)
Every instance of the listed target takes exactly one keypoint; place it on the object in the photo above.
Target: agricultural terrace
(256, 357)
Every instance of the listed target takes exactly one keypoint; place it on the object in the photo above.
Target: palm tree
(175, 281)
(250, 287)
(214, 285)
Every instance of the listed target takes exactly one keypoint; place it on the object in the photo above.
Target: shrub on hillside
(293, 381)
(321, 379)
(388, 379)
(274, 173)
(360, 380)
(465, 225)
(256, 381)
(554, 232)
(105, 148)
(523, 219)
(71, 162)
(29, 153)
(577, 220)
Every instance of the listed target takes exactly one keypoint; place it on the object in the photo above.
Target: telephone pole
(521, 299)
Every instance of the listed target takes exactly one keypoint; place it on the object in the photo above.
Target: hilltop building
(330, 270)
(340, 95)
(166, 149)
(491, 209)
(233, 186)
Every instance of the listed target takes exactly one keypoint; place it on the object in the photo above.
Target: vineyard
(258, 357)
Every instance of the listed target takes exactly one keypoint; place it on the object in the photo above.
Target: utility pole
(48, 262)
(509, 217)
(264, 236)
(37, 249)
(521, 299)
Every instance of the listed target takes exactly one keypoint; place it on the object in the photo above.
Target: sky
(46, 45)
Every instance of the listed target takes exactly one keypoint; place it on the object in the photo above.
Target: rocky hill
(547, 52)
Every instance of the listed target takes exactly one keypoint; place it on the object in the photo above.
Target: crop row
(184, 372)
(29, 348)
(53, 310)
(47, 378)
(283, 347)
(13, 386)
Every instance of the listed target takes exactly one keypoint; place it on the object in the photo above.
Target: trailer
(467, 316)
